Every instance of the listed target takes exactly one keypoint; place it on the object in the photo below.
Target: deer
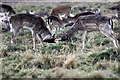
(117, 7)
(39, 14)
(85, 9)
(6, 9)
(56, 22)
(35, 24)
(3, 23)
(90, 23)
(61, 11)
(5, 12)
(74, 18)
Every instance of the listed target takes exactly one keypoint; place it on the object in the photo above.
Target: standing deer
(5, 12)
(31, 22)
(91, 23)
(61, 10)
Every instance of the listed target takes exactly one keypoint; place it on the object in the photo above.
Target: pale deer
(5, 12)
(61, 10)
(91, 23)
(31, 22)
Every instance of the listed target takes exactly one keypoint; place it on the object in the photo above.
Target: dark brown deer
(31, 22)
(117, 7)
(6, 9)
(91, 23)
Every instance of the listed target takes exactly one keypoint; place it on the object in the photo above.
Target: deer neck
(68, 34)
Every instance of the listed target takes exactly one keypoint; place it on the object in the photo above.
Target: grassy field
(63, 59)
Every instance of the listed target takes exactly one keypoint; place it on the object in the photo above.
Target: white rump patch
(71, 15)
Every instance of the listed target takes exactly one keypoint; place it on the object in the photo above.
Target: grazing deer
(73, 19)
(28, 21)
(61, 10)
(7, 9)
(54, 21)
(91, 23)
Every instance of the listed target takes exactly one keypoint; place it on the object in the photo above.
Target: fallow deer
(3, 22)
(61, 10)
(91, 23)
(73, 19)
(6, 9)
(85, 9)
(39, 14)
(31, 22)
(117, 7)
(54, 21)
(5, 12)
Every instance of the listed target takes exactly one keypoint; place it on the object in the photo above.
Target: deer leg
(49, 27)
(13, 38)
(15, 33)
(112, 37)
(34, 43)
(40, 39)
(109, 33)
(83, 39)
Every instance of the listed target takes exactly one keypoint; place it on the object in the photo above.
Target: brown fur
(60, 10)
(91, 23)
(35, 24)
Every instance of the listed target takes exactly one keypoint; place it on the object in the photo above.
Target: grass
(59, 60)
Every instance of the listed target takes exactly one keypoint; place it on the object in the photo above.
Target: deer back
(29, 21)
(60, 10)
